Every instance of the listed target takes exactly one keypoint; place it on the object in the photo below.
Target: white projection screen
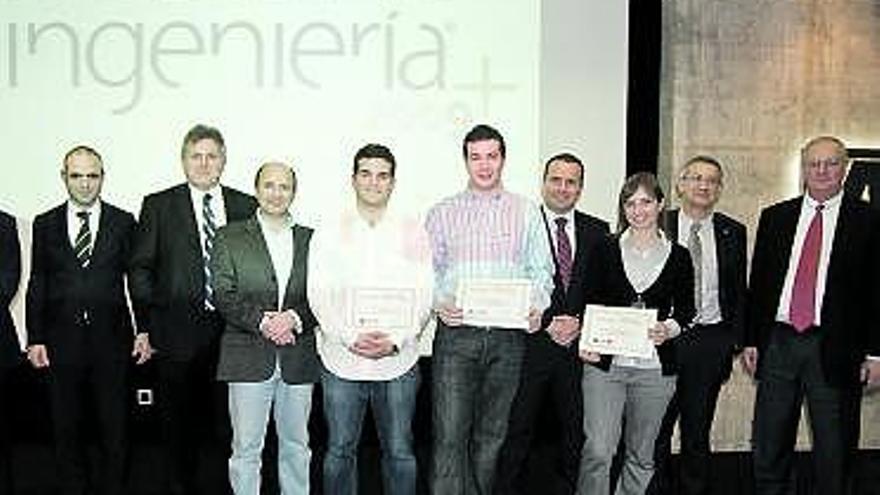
(308, 82)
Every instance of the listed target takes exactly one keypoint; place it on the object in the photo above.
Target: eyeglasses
(828, 163)
(702, 179)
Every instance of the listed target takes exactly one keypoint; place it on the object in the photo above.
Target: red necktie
(802, 312)
(563, 251)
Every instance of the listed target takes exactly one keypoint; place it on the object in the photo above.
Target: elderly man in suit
(811, 322)
(267, 351)
(10, 351)
(717, 244)
(551, 368)
(79, 322)
(171, 291)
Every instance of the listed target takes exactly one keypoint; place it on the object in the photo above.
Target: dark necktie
(209, 228)
(82, 246)
(563, 251)
(695, 246)
(802, 312)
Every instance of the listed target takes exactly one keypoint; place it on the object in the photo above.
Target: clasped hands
(373, 344)
(280, 327)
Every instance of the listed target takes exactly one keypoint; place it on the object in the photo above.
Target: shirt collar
(832, 202)
(197, 194)
(93, 209)
(267, 227)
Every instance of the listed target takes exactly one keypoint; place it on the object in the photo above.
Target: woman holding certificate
(639, 299)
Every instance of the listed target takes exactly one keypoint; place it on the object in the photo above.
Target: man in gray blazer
(267, 350)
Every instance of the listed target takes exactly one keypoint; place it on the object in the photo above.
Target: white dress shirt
(709, 311)
(830, 213)
(218, 208)
(74, 223)
(347, 253)
(551, 217)
(279, 242)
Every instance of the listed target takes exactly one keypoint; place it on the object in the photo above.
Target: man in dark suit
(811, 322)
(79, 323)
(551, 367)
(705, 350)
(10, 351)
(171, 292)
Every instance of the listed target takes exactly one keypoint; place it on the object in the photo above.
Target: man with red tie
(810, 322)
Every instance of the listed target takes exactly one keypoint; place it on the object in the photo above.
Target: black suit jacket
(80, 314)
(10, 274)
(167, 270)
(730, 254)
(848, 324)
(245, 287)
(588, 232)
(672, 293)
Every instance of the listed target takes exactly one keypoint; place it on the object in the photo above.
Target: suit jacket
(589, 232)
(167, 270)
(672, 293)
(10, 275)
(245, 287)
(80, 314)
(848, 324)
(730, 254)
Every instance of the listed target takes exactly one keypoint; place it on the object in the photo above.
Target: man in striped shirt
(482, 233)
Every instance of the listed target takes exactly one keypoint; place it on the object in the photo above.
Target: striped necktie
(82, 246)
(563, 251)
(695, 246)
(209, 229)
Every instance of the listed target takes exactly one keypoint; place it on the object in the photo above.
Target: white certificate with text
(500, 303)
(381, 308)
(618, 331)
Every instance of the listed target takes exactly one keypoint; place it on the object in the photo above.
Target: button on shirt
(218, 208)
(74, 223)
(347, 254)
(495, 235)
(709, 311)
(829, 213)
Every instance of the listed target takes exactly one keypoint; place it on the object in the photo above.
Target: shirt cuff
(872, 358)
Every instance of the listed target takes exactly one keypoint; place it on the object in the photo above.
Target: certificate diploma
(500, 303)
(619, 331)
(381, 308)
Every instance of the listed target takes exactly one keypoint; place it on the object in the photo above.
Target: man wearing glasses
(717, 244)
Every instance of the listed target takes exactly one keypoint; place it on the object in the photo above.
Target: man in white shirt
(370, 286)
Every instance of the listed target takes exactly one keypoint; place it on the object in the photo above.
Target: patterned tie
(82, 246)
(802, 312)
(563, 251)
(695, 246)
(209, 228)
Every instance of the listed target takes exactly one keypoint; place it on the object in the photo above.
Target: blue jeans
(249, 406)
(393, 404)
(475, 377)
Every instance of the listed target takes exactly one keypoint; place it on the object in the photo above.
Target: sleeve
(538, 259)
(10, 272)
(443, 290)
(229, 298)
(753, 298)
(422, 279)
(142, 264)
(35, 300)
(739, 290)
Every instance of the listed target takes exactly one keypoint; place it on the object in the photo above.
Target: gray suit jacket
(244, 287)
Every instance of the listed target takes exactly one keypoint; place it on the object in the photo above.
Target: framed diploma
(501, 303)
(381, 308)
(619, 331)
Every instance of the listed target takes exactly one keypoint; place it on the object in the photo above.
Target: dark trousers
(475, 377)
(194, 409)
(705, 357)
(790, 372)
(6, 403)
(551, 373)
(79, 392)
